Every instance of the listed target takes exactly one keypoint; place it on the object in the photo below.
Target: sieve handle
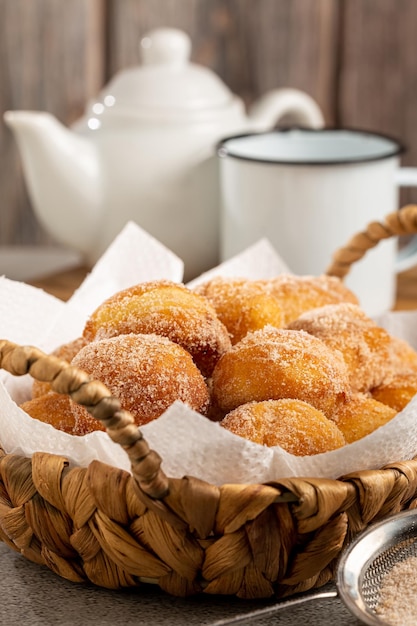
(401, 222)
(243, 618)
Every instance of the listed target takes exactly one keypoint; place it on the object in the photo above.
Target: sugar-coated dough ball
(242, 305)
(365, 346)
(167, 309)
(146, 372)
(298, 294)
(272, 363)
(295, 425)
(62, 413)
(396, 392)
(402, 360)
(361, 415)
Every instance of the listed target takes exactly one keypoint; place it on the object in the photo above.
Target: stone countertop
(33, 595)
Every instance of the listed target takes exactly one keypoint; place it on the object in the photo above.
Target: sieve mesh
(370, 560)
(374, 573)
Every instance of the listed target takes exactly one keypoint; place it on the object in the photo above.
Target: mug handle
(407, 256)
(266, 112)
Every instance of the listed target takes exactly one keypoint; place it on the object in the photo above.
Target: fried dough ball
(67, 352)
(360, 415)
(62, 413)
(242, 305)
(402, 359)
(297, 294)
(296, 426)
(272, 363)
(364, 345)
(146, 372)
(397, 392)
(167, 309)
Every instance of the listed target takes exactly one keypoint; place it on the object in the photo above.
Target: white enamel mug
(308, 191)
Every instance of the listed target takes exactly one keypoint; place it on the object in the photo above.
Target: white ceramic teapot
(145, 151)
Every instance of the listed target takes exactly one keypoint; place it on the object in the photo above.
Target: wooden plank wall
(357, 58)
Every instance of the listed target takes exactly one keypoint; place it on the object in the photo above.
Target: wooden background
(357, 58)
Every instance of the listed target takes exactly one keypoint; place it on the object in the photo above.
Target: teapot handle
(266, 112)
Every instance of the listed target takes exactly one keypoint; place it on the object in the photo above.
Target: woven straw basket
(116, 529)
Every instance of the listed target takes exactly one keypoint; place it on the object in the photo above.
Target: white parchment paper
(188, 443)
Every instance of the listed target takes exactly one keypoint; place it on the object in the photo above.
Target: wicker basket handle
(97, 399)
(402, 222)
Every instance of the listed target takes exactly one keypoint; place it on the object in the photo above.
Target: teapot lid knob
(166, 85)
(168, 46)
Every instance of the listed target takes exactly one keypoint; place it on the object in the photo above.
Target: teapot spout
(62, 175)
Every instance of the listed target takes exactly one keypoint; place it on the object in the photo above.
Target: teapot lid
(166, 83)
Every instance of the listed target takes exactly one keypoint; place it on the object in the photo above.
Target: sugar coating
(146, 372)
(273, 363)
(297, 294)
(295, 425)
(364, 345)
(242, 305)
(398, 594)
(167, 309)
(402, 360)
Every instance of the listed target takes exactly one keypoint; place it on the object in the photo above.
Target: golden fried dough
(364, 345)
(397, 391)
(272, 363)
(361, 415)
(402, 359)
(146, 372)
(62, 413)
(297, 294)
(296, 426)
(242, 305)
(167, 309)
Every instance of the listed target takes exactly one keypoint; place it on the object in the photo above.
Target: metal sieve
(360, 571)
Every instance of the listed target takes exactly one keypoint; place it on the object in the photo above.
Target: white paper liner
(188, 443)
